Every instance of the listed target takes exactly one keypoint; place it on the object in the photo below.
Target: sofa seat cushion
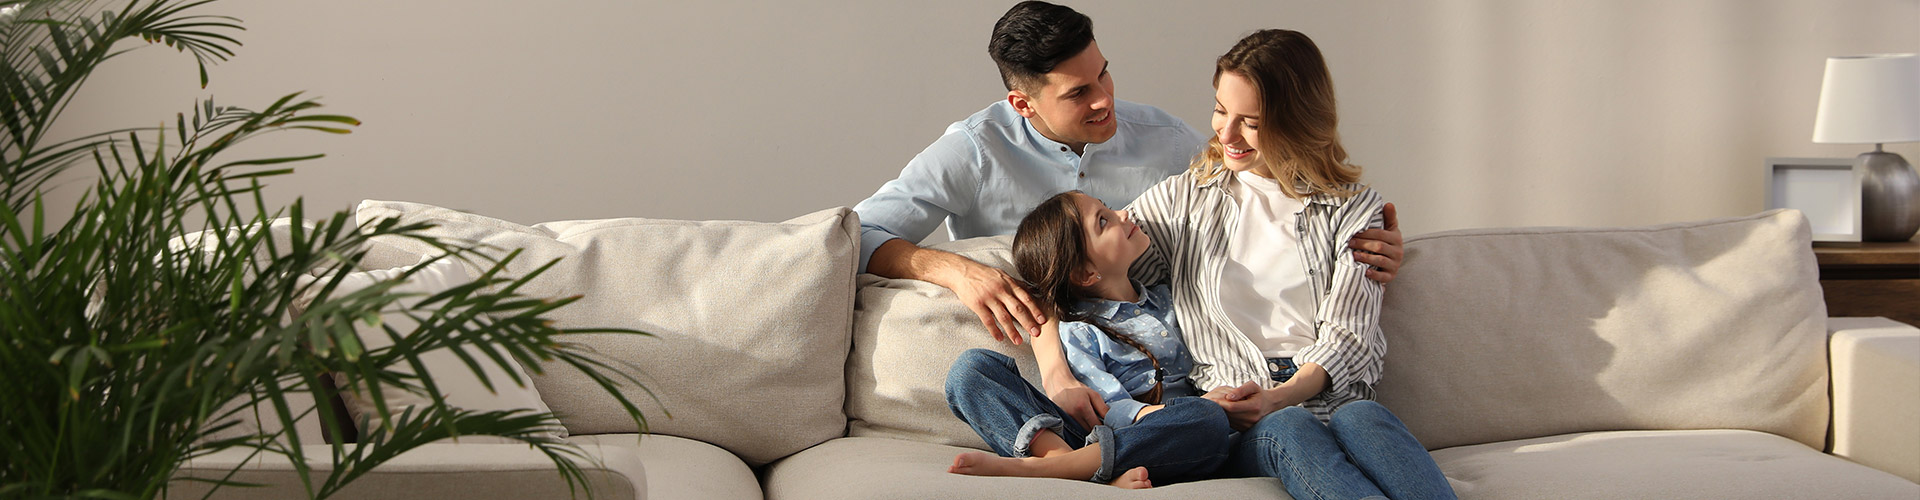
(1662, 464)
(678, 467)
(866, 467)
(750, 320)
(444, 469)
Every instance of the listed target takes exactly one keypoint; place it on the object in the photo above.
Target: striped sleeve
(1349, 345)
(1157, 214)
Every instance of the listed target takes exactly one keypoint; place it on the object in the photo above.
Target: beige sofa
(1690, 360)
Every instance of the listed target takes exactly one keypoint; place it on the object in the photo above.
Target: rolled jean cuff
(1023, 442)
(1104, 434)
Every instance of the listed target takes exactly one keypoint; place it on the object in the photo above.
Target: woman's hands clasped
(1248, 403)
(1245, 405)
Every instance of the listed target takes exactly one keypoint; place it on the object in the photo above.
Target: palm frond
(50, 47)
(135, 334)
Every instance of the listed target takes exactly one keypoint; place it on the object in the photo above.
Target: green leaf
(272, 161)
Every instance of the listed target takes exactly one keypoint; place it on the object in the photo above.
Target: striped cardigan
(1190, 221)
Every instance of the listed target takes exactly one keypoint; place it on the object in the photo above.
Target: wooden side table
(1872, 279)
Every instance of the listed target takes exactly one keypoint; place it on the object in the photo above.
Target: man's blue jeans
(1363, 451)
(1186, 440)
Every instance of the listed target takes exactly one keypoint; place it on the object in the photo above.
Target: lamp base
(1889, 197)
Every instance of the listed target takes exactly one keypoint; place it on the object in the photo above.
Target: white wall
(1466, 113)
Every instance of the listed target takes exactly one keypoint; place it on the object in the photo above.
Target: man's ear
(1022, 103)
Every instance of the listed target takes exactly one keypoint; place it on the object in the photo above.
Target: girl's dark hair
(1033, 37)
(1049, 246)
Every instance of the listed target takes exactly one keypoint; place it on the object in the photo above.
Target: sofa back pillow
(511, 389)
(1514, 333)
(906, 334)
(750, 320)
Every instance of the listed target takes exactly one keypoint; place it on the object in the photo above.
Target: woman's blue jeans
(1362, 452)
(1185, 440)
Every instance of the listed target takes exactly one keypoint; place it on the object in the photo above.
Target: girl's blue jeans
(1185, 440)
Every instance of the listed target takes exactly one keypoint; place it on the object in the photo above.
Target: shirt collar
(1053, 147)
(1047, 146)
(1109, 309)
(1221, 174)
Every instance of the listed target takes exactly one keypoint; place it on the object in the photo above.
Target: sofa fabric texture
(437, 470)
(1874, 419)
(871, 467)
(681, 468)
(1661, 464)
(1517, 333)
(750, 320)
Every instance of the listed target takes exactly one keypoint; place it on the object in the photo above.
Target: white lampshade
(1869, 99)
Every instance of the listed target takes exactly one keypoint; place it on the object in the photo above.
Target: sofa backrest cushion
(906, 334)
(511, 389)
(750, 320)
(1514, 333)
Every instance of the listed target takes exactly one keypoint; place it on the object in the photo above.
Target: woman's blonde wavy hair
(1299, 136)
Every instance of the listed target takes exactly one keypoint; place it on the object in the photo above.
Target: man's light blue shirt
(987, 171)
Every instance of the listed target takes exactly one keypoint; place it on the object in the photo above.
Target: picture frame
(1825, 190)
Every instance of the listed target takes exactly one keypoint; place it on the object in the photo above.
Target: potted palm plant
(127, 353)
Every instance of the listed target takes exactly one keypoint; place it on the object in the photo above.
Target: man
(1059, 128)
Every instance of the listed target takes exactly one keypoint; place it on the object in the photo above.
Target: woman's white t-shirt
(1264, 285)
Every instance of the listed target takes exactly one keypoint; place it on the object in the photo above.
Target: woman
(1276, 311)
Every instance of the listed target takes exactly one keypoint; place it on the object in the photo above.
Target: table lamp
(1875, 99)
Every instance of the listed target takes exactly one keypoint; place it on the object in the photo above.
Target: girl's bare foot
(1133, 479)
(987, 464)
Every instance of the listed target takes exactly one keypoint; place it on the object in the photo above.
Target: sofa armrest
(1876, 393)
(437, 470)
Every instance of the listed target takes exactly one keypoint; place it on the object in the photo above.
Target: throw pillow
(1515, 333)
(455, 379)
(906, 335)
(750, 320)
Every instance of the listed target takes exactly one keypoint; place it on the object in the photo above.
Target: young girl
(1120, 338)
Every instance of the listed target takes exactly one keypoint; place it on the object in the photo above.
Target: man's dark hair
(1035, 36)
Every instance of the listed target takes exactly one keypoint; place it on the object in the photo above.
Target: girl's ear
(1085, 276)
